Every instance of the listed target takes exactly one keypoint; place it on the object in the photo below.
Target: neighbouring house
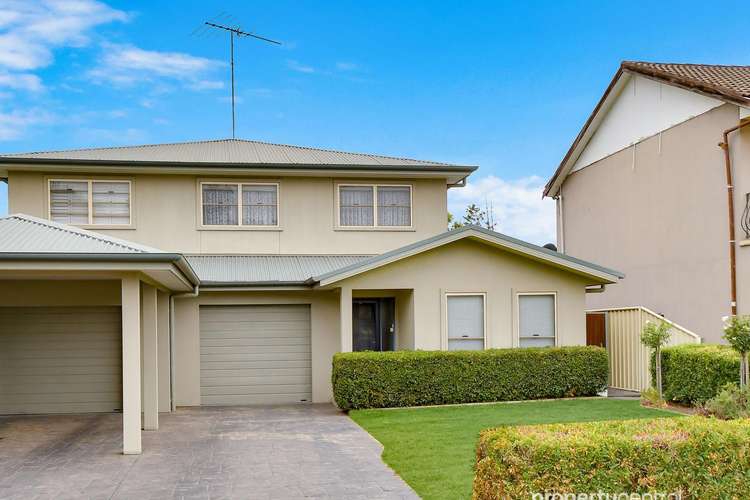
(229, 272)
(657, 184)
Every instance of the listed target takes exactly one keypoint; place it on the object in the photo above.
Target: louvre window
(90, 202)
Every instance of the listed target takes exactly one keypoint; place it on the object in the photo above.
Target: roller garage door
(60, 359)
(257, 354)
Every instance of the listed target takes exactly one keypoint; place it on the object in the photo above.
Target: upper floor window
(239, 204)
(90, 202)
(374, 205)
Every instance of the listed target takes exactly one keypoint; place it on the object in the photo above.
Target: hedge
(701, 457)
(414, 378)
(694, 373)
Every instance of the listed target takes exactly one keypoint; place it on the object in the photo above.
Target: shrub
(730, 403)
(694, 373)
(651, 397)
(701, 457)
(414, 378)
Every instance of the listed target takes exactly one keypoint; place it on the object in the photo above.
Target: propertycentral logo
(600, 495)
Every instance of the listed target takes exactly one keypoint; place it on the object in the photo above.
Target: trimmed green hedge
(694, 373)
(414, 378)
(703, 458)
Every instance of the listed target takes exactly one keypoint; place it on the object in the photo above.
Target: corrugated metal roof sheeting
(24, 233)
(250, 269)
(229, 151)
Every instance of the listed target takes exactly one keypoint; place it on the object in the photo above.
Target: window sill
(240, 228)
(94, 227)
(745, 243)
(393, 229)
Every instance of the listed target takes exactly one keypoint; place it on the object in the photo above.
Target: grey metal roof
(254, 270)
(479, 233)
(20, 233)
(226, 151)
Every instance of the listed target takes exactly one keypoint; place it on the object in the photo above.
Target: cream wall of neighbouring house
(324, 328)
(657, 211)
(468, 266)
(165, 215)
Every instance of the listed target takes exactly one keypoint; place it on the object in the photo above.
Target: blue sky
(503, 85)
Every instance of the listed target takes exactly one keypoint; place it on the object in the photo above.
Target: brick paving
(284, 452)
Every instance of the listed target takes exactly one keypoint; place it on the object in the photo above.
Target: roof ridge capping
(83, 233)
(508, 242)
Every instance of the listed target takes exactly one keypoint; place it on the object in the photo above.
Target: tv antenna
(236, 32)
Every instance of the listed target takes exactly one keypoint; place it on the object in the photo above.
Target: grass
(433, 448)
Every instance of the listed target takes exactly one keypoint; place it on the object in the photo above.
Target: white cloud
(128, 65)
(14, 123)
(31, 30)
(299, 67)
(518, 206)
(21, 81)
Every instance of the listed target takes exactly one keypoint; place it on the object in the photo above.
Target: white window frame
(446, 334)
(518, 315)
(376, 226)
(239, 224)
(90, 195)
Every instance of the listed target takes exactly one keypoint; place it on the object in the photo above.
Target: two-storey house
(657, 184)
(229, 272)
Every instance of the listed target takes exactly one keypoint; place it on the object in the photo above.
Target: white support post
(150, 359)
(345, 315)
(131, 366)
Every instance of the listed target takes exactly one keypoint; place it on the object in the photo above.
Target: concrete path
(285, 452)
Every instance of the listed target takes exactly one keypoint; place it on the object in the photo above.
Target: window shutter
(69, 202)
(536, 321)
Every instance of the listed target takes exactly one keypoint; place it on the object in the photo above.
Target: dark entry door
(373, 327)
(596, 329)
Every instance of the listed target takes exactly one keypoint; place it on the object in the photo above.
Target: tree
(474, 216)
(655, 337)
(737, 333)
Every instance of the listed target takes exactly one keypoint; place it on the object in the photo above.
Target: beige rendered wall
(657, 212)
(324, 309)
(166, 215)
(740, 150)
(466, 266)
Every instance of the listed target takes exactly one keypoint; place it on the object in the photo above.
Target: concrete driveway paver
(284, 452)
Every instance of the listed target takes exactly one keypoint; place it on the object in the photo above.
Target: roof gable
(540, 254)
(722, 83)
(26, 234)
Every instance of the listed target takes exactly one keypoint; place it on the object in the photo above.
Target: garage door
(60, 359)
(255, 354)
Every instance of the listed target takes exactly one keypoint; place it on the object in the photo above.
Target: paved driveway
(238, 452)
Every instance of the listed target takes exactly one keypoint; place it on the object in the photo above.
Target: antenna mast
(238, 33)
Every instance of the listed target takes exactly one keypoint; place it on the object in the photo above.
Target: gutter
(730, 219)
(175, 258)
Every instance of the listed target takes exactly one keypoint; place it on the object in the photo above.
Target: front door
(373, 324)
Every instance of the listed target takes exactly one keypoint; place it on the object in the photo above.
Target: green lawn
(432, 449)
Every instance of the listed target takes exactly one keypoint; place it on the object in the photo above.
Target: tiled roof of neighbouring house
(728, 81)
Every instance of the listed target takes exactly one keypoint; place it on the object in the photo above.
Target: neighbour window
(374, 206)
(536, 320)
(90, 202)
(465, 322)
(239, 204)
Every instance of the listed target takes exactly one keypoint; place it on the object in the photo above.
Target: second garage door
(255, 354)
